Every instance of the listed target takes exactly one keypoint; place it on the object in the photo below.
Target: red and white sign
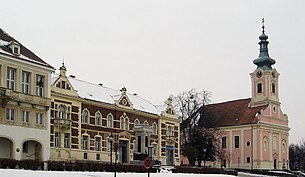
(147, 163)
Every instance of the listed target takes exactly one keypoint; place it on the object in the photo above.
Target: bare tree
(188, 105)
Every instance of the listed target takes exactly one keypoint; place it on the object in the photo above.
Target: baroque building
(25, 100)
(93, 122)
(253, 132)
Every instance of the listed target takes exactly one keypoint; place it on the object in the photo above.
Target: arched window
(136, 122)
(259, 88)
(273, 88)
(85, 116)
(98, 118)
(122, 122)
(126, 123)
(154, 126)
(109, 120)
(145, 122)
(62, 112)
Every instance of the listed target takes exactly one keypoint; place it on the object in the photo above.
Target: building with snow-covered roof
(91, 122)
(25, 100)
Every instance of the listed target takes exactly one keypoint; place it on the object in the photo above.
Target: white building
(25, 101)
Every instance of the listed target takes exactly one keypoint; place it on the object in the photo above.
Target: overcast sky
(157, 48)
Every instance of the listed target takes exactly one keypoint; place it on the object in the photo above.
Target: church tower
(264, 79)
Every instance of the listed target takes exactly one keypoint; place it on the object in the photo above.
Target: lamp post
(204, 152)
(111, 142)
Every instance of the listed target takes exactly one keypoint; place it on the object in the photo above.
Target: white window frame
(57, 137)
(122, 124)
(25, 116)
(25, 83)
(11, 78)
(10, 114)
(155, 129)
(39, 118)
(98, 144)
(126, 123)
(109, 120)
(39, 89)
(62, 112)
(67, 141)
(85, 118)
(85, 142)
(98, 118)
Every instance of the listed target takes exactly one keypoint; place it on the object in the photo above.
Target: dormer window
(15, 48)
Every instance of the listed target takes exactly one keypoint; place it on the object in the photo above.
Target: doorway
(124, 151)
(274, 163)
(169, 156)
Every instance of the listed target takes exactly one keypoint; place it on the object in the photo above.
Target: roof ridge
(230, 101)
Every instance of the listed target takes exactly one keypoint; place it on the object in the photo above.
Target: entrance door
(274, 163)
(124, 152)
(169, 156)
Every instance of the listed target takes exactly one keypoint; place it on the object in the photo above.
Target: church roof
(25, 53)
(231, 113)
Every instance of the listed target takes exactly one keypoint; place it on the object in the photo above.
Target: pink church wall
(236, 152)
(247, 149)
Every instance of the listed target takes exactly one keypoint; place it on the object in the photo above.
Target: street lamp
(111, 142)
(204, 152)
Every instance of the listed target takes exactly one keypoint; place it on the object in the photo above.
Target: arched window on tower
(122, 122)
(259, 88)
(273, 88)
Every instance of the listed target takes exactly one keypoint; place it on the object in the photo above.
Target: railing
(64, 123)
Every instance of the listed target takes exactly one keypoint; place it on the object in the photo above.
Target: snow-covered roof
(107, 95)
(25, 53)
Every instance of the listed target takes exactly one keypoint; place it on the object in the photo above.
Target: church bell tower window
(259, 88)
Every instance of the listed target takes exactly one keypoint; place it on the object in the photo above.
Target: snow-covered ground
(29, 173)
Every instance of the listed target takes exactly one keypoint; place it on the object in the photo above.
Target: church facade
(253, 132)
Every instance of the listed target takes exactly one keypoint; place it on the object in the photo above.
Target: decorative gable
(124, 101)
(169, 111)
(62, 84)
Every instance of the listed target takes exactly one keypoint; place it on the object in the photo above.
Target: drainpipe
(252, 147)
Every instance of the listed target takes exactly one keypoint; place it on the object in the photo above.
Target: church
(253, 132)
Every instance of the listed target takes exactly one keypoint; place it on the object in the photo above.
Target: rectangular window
(224, 142)
(85, 156)
(85, 143)
(11, 77)
(236, 141)
(39, 85)
(67, 140)
(39, 118)
(109, 144)
(25, 116)
(98, 157)
(10, 114)
(57, 139)
(25, 86)
(97, 143)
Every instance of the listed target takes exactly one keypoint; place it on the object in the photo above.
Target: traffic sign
(147, 163)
